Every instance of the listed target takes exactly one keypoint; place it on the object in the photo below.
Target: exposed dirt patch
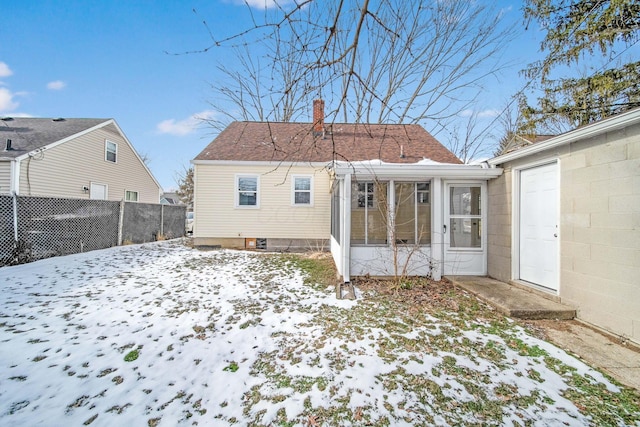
(419, 293)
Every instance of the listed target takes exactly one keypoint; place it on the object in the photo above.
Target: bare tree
(388, 62)
(468, 141)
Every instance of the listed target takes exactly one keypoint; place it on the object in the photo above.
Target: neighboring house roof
(28, 134)
(297, 142)
(617, 122)
(170, 198)
(519, 141)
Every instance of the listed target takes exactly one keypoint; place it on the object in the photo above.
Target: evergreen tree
(185, 188)
(576, 29)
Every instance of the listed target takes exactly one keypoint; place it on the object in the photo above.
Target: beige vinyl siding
(63, 170)
(217, 216)
(5, 177)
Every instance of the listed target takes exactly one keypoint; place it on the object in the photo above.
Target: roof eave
(607, 125)
(413, 171)
(257, 163)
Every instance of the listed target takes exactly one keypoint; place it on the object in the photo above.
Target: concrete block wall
(499, 226)
(600, 231)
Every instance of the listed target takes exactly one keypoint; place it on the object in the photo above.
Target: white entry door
(464, 229)
(538, 257)
(98, 191)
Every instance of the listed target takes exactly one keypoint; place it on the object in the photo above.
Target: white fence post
(162, 220)
(121, 222)
(15, 217)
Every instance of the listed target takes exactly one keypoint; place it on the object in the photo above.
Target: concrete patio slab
(513, 301)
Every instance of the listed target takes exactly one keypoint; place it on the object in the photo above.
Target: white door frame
(465, 261)
(515, 222)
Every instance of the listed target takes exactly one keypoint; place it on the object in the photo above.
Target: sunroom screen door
(463, 230)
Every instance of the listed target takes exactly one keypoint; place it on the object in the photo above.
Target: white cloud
(488, 113)
(7, 102)
(185, 126)
(56, 85)
(264, 4)
(5, 71)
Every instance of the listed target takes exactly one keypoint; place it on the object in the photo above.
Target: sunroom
(418, 219)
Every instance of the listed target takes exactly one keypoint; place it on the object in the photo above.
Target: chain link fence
(33, 228)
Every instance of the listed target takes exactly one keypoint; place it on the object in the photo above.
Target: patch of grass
(251, 322)
(319, 272)
(604, 406)
(232, 367)
(131, 356)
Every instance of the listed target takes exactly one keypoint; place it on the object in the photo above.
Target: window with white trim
(247, 191)
(412, 216)
(364, 195)
(369, 213)
(302, 190)
(130, 196)
(110, 151)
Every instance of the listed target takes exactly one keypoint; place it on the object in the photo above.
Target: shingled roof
(30, 133)
(297, 142)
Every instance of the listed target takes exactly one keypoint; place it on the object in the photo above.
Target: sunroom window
(412, 213)
(369, 213)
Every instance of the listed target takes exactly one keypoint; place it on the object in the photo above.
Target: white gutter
(417, 171)
(258, 163)
(616, 122)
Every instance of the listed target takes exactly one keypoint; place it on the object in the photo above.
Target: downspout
(15, 177)
(346, 229)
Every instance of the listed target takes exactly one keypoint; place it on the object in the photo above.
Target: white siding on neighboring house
(5, 177)
(218, 217)
(63, 170)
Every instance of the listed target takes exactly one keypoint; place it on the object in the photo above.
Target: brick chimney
(318, 116)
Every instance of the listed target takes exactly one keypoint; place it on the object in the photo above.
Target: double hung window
(302, 190)
(247, 191)
(110, 151)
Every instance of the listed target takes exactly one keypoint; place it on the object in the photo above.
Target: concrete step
(513, 301)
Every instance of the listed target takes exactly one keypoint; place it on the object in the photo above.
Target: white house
(366, 191)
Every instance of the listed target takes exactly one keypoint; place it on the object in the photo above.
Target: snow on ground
(224, 337)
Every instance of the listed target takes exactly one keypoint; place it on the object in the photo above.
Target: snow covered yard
(161, 334)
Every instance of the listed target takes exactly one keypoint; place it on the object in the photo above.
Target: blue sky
(108, 59)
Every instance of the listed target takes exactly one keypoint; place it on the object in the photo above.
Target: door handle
(445, 227)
